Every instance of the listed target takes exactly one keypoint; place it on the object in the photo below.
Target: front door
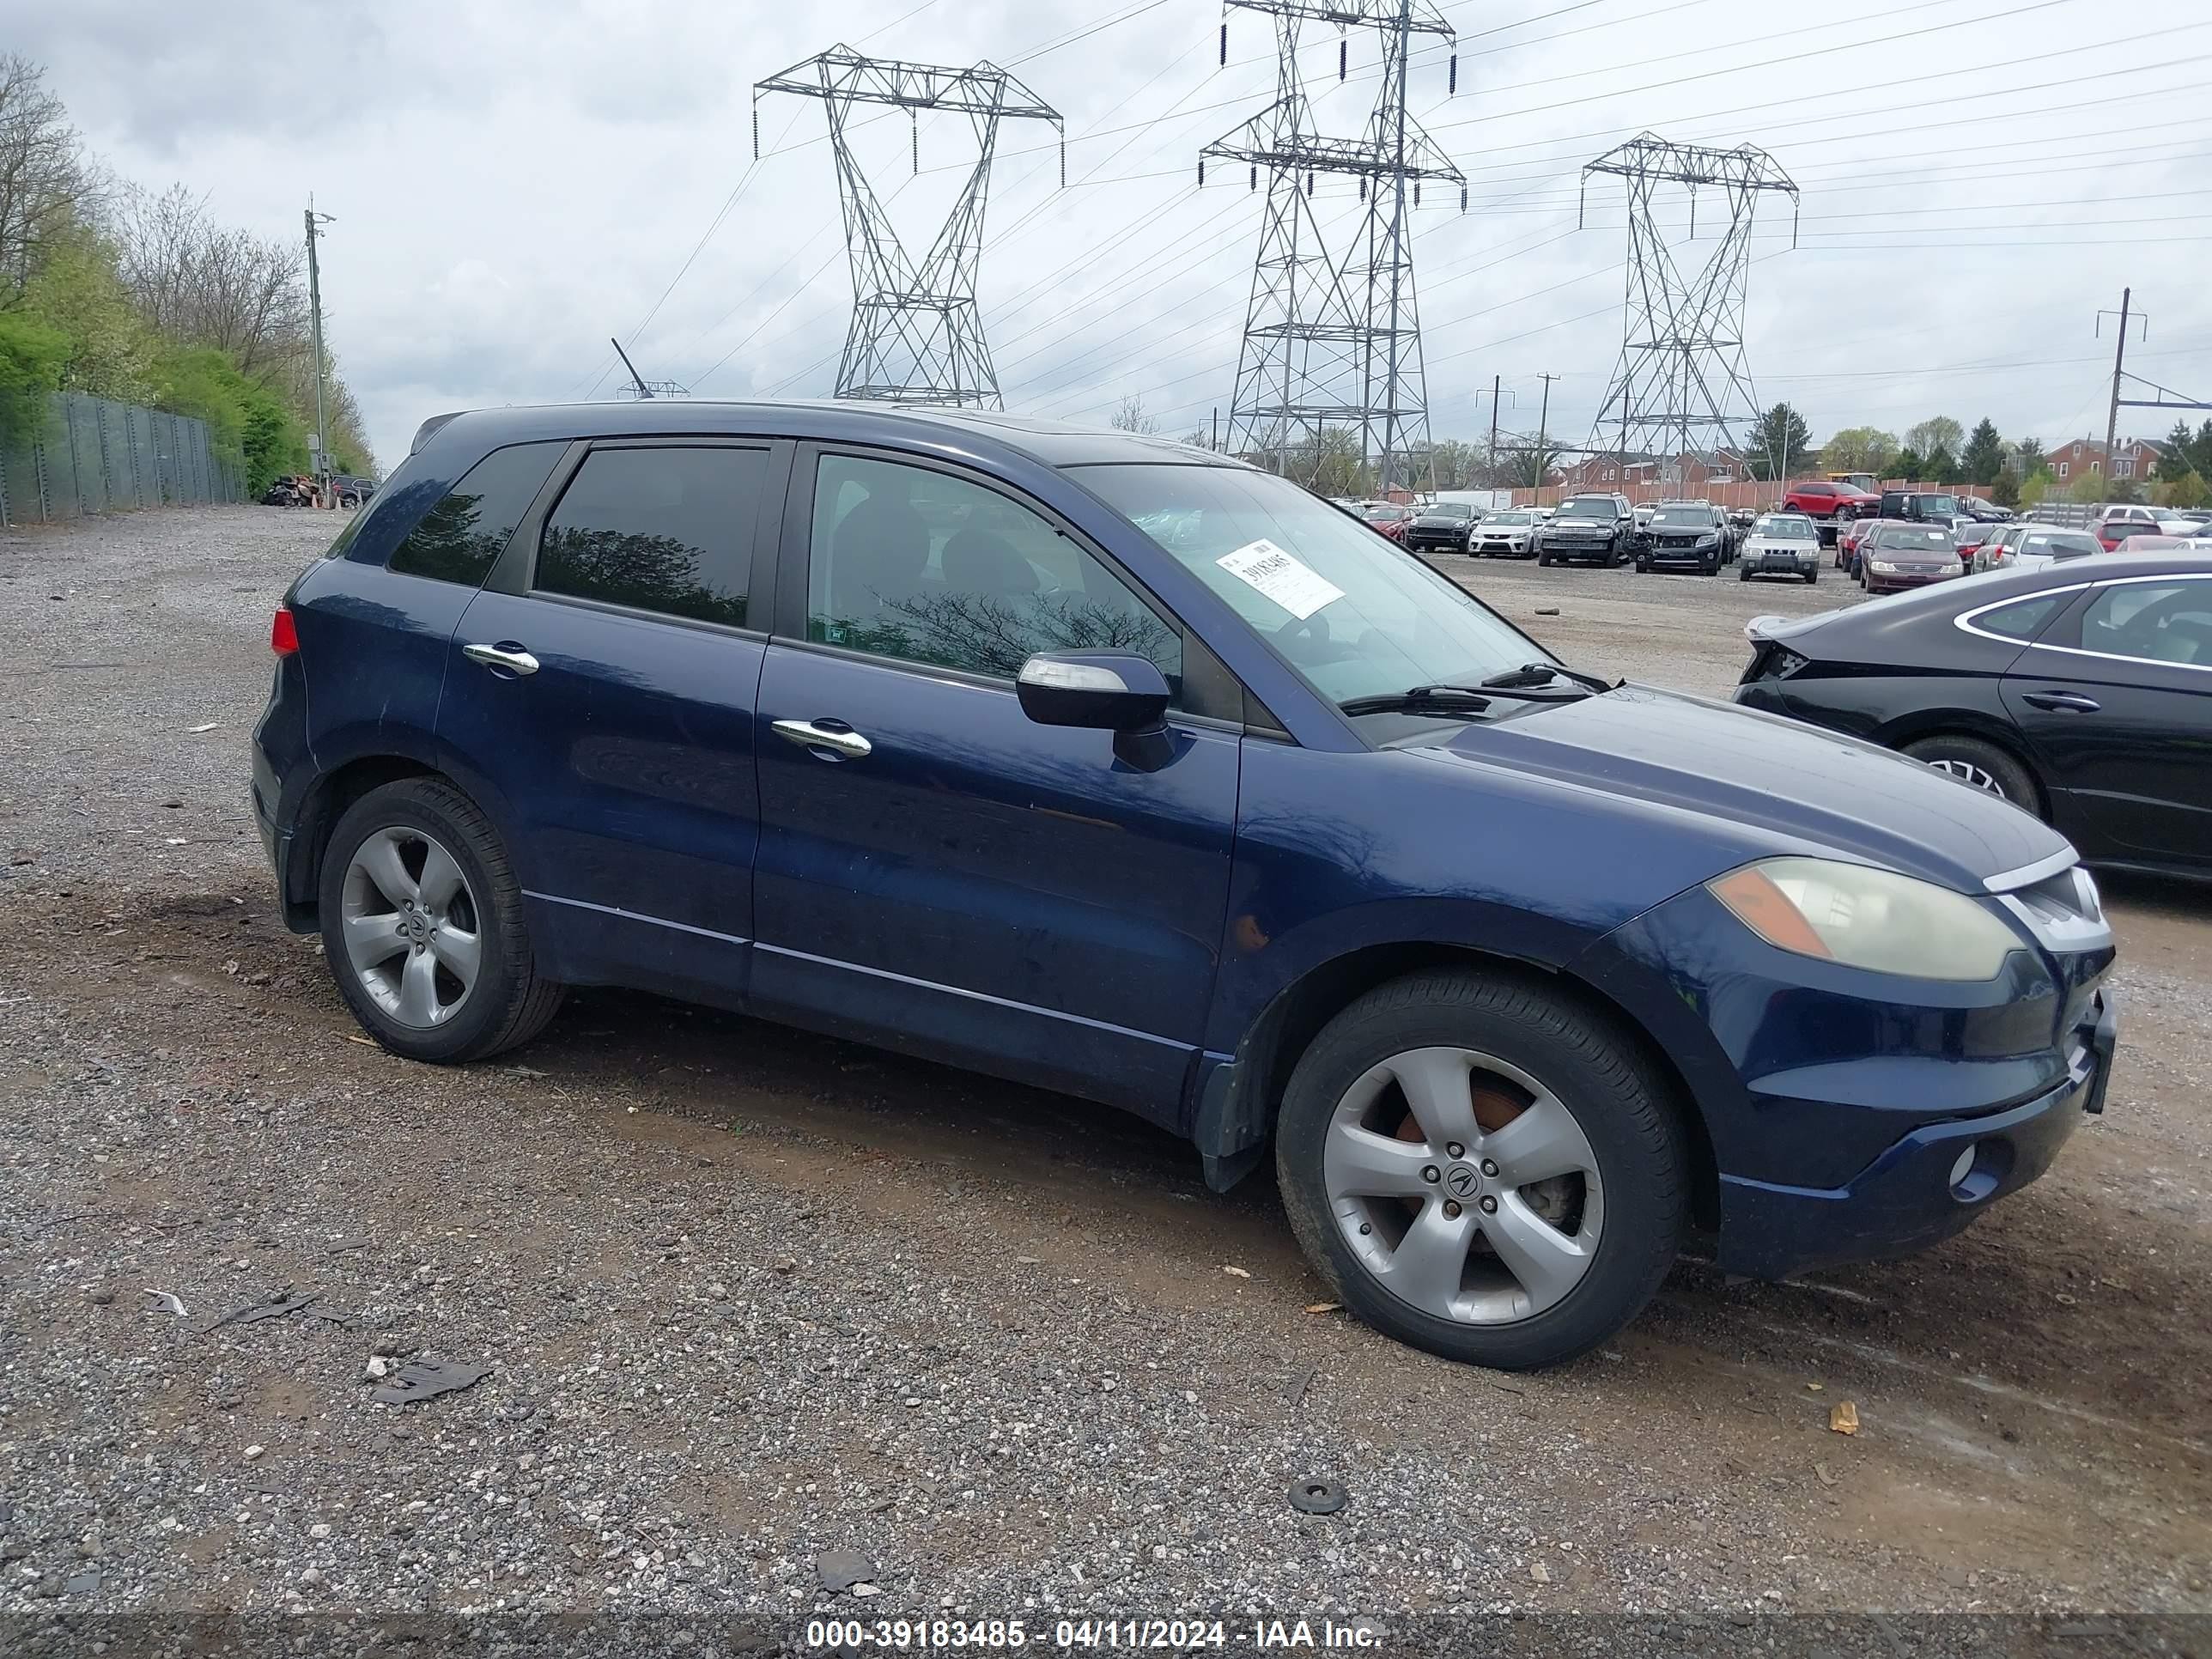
(602, 686)
(940, 873)
(2116, 700)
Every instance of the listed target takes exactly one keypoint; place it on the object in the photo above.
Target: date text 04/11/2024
(1156, 1634)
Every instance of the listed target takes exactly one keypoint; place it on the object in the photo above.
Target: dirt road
(746, 1296)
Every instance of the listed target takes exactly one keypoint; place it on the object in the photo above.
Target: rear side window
(2020, 621)
(460, 538)
(669, 529)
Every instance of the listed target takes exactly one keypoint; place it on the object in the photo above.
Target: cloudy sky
(515, 180)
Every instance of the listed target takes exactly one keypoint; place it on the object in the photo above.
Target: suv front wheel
(422, 927)
(1482, 1170)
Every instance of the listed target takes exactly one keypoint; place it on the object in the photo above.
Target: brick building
(2132, 459)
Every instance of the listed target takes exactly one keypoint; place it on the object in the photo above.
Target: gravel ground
(745, 1297)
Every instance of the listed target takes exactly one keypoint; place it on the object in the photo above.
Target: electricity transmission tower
(916, 336)
(1333, 342)
(1682, 384)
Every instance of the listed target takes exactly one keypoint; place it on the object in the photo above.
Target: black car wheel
(1482, 1169)
(1813, 575)
(1982, 766)
(1743, 573)
(1544, 556)
(422, 927)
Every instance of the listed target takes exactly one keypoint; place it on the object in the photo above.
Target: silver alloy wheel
(411, 924)
(1967, 772)
(1460, 1222)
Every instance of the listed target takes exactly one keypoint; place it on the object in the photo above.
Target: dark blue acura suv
(1129, 770)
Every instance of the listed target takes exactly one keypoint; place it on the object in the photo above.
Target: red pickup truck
(1829, 504)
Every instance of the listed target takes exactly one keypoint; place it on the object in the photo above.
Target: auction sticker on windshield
(1297, 588)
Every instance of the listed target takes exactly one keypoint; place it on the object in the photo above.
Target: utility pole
(1543, 433)
(1496, 380)
(315, 314)
(2119, 357)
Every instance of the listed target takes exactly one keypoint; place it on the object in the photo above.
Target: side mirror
(1104, 690)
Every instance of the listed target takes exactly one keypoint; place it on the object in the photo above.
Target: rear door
(2115, 699)
(601, 691)
(938, 873)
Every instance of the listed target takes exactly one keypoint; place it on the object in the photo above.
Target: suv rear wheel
(1481, 1170)
(421, 922)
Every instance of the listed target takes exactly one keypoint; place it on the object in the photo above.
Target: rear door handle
(492, 656)
(2068, 701)
(839, 740)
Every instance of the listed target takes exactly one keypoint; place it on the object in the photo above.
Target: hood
(1808, 790)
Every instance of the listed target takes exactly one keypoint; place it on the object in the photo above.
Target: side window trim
(518, 567)
(2077, 613)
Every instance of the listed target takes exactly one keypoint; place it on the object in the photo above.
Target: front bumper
(1775, 561)
(1693, 558)
(1836, 1102)
(1905, 1200)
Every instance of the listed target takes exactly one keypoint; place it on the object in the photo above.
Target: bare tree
(48, 185)
(1131, 417)
(207, 285)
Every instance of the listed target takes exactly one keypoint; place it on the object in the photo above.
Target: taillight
(283, 637)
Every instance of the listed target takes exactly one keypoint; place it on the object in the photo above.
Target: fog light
(1964, 1167)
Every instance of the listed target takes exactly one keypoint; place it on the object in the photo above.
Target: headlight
(1867, 918)
(1886, 569)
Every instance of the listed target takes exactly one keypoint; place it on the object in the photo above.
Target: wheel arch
(324, 804)
(1236, 1111)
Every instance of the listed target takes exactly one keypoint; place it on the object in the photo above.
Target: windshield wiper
(1445, 698)
(1462, 699)
(1540, 674)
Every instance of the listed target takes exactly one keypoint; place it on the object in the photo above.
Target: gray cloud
(514, 182)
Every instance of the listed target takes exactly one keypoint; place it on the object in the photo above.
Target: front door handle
(492, 656)
(2067, 701)
(839, 740)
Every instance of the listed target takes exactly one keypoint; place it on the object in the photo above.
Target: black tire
(1743, 573)
(2014, 782)
(1544, 556)
(1621, 1106)
(1643, 566)
(509, 1002)
(1812, 576)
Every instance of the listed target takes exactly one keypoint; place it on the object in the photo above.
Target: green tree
(2089, 486)
(1779, 442)
(2188, 490)
(1982, 459)
(1910, 465)
(32, 355)
(77, 292)
(1860, 449)
(2006, 491)
(1937, 432)
(1942, 465)
(2035, 488)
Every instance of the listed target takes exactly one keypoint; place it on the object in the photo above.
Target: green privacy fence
(99, 456)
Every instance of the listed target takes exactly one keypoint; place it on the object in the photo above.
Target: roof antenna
(636, 379)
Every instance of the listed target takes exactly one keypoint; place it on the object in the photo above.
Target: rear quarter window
(462, 534)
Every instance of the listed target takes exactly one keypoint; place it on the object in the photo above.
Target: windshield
(1897, 537)
(1383, 514)
(1516, 516)
(1588, 507)
(1701, 517)
(1352, 613)
(1939, 506)
(1785, 529)
(1448, 510)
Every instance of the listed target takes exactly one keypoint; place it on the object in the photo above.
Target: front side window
(668, 530)
(1354, 616)
(461, 537)
(928, 567)
(2153, 622)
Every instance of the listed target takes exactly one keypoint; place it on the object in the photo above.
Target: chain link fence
(99, 456)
